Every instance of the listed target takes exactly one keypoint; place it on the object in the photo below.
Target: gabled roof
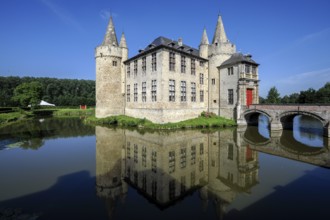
(170, 44)
(239, 58)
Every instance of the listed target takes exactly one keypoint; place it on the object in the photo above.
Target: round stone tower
(110, 77)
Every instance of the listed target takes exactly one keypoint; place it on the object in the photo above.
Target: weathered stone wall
(109, 96)
(217, 55)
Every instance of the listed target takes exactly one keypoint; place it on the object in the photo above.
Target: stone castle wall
(109, 97)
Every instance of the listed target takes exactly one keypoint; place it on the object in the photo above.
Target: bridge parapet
(296, 107)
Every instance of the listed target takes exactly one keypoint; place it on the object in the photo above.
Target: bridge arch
(286, 118)
(251, 116)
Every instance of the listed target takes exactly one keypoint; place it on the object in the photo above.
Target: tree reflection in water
(32, 133)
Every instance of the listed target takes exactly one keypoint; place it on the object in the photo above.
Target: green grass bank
(203, 121)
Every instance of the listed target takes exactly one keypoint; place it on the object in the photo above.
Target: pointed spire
(220, 34)
(205, 39)
(110, 37)
(123, 43)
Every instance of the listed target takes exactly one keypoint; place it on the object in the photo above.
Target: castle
(169, 81)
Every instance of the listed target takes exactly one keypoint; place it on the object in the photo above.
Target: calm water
(63, 169)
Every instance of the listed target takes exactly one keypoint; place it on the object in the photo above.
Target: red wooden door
(249, 97)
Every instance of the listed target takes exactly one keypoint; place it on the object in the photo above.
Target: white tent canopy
(46, 103)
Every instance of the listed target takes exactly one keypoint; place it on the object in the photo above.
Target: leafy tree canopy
(273, 96)
(28, 94)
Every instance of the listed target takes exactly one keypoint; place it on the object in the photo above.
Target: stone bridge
(281, 116)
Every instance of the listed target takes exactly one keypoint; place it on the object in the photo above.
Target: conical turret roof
(110, 37)
(123, 43)
(220, 34)
(205, 39)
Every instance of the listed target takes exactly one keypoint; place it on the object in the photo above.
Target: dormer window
(171, 44)
(190, 50)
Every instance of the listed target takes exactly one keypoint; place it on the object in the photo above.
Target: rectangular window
(183, 157)
(144, 156)
(183, 91)
(135, 67)
(201, 95)
(201, 78)
(135, 153)
(171, 161)
(172, 61)
(128, 151)
(230, 71)
(171, 90)
(254, 70)
(154, 90)
(193, 92)
(128, 70)
(193, 67)
(230, 96)
(247, 68)
(193, 154)
(144, 65)
(144, 91)
(201, 149)
(154, 62)
(201, 63)
(128, 93)
(114, 63)
(135, 92)
(154, 161)
(213, 81)
(183, 64)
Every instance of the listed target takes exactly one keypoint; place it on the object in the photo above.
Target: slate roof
(239, 58)
(170, 44)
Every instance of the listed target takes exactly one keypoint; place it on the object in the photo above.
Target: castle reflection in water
(166, 167)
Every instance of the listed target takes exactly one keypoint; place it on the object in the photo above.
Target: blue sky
(56, 38)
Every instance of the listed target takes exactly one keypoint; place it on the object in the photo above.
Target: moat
(60, 168)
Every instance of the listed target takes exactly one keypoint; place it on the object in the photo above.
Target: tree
(293, 98)
(262, 100)
(323, 94)
(273, 96)
(308, 96)
(28, 93)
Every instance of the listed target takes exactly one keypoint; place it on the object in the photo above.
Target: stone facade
(168, 81)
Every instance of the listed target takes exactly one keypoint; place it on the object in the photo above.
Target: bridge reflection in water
(166, 167)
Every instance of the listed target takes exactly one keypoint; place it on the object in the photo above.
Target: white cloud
(292, 46)
(313, 36)
(303, 81)
(62, 14)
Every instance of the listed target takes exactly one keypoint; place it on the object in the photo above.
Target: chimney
(180, 42)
